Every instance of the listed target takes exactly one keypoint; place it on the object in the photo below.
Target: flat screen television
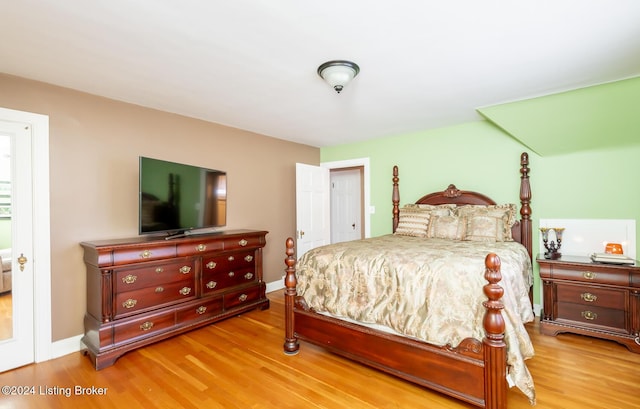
(177, 199)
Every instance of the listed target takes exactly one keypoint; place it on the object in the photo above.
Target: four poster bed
(424, 303)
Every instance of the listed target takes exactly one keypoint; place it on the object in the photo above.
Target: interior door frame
(366, 205)
(41, 228)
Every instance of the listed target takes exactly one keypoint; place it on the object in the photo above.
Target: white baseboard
(275, 285)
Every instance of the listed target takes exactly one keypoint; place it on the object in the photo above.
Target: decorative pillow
(484, 228)
(435, 210)
(446, 227)
(413, 222)
(506, 212)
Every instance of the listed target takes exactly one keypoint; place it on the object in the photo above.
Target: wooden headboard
(521, 231)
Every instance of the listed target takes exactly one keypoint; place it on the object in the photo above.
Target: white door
(16, 224)
(312, 207)
(346, 205)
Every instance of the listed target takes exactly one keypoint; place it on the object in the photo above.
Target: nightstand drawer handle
(231, 274)
(146, 326)
(211, 265)
(589, 275)
(201, 309)
(243, 297)
(185, 291)
(248, 276)
(243, 242)
(248, 258)
(159, 289)
(588, 297)
(211, 285)
(185, 269)
(130, 303)
(145, 254)
(129, 279)
(231, 258)
(201, 247)
(589, 315)
(159, 270)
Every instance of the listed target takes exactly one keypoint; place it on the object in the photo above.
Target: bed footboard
(473, 371)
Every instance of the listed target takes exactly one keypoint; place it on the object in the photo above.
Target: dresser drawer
(592, 296)
(134, 278)
(244, 296)
(152, 297)
(139, 254)
(592, 316)
(241, 242)
(199, 247)
(229, 261)
(225, 279)
(143, 327)
(590, 274)
(206, 309)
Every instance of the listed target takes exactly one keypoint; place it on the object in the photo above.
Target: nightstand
(594, 299)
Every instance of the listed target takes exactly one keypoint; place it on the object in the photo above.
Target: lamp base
(552, 255)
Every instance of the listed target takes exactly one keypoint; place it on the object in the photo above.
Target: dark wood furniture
(474, 371)
(147, 289)
(595, 299)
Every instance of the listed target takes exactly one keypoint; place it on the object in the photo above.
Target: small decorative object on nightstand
(553, 247)
(588, 298)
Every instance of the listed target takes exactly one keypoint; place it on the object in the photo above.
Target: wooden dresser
(600, 300)
(146, 289)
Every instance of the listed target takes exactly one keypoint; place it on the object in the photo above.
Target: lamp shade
(338, 73)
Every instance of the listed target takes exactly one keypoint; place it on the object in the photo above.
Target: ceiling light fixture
(338, 73)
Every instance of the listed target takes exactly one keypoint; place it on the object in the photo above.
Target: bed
(370, 318)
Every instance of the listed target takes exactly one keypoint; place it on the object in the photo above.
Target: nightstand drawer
(592, 315)
(592, 296)
(590, 274)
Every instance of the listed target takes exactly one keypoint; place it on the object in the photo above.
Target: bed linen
(425, 288)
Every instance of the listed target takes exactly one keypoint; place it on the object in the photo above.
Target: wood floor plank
(239, 363)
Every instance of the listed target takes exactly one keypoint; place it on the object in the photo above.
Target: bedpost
(291, 345)
(395, 198)
(525, 208)
(494, 346)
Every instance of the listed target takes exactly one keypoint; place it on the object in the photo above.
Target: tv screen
(177, 198)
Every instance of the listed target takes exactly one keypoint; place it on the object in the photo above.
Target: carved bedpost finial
(395, 199)
(291, 345)
(525, 200)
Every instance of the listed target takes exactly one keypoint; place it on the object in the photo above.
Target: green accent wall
(480, 156)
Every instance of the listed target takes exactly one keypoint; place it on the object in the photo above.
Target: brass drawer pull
(185, 269)
(201, 247)
(145, 254)
(231, 274)
(589, 275)
(588, 297)
(129, 279)
(243, 242)
(130, 303)
(231, 258)
(146, 326)
(248, 258)
(589, 315)
(248, 276)
(243, 297)
(159, 270)
(159, 289)
(211, 285)
(201, 309)
(185, 291)
(211, 265)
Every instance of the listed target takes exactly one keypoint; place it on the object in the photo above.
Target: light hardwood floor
(238, 363)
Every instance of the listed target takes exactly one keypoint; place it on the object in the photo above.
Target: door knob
(22, 261)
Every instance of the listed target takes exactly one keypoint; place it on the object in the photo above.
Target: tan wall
(94, 148)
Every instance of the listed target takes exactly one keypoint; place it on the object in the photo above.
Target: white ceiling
(251, 64)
